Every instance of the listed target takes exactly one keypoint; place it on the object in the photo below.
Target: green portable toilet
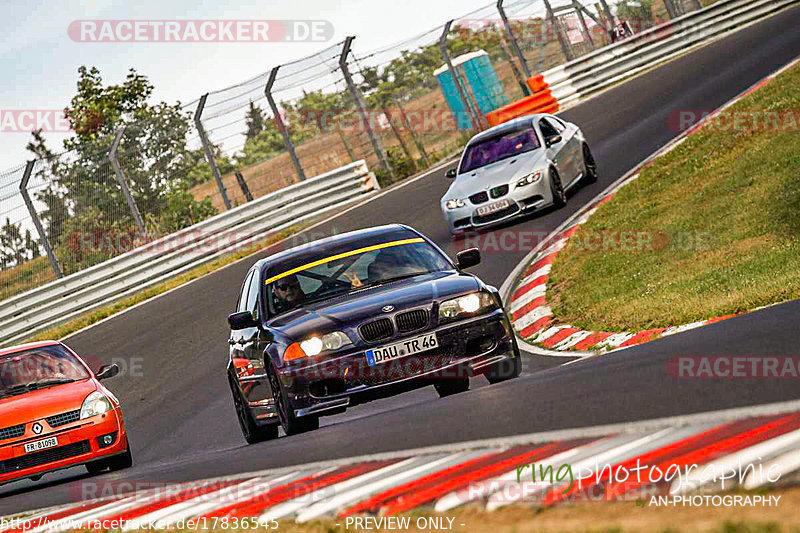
(480, 83)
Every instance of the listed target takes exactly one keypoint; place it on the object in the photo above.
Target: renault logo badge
(37, 428)
(387, 308)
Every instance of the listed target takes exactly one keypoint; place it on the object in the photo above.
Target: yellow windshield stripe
(342, 255)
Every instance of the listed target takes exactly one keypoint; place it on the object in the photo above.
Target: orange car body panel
(36, 406)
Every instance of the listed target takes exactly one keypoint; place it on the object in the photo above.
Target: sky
(39, 60)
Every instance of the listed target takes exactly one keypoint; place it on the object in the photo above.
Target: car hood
(499, 173)
(38, 404)
(354, 308)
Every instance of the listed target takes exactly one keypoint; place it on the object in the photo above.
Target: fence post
(417, 142)
(579, 10)
(209, 153)
(564, 46)
(474, 122)
(513, 39)
(123, 182)
(376, 143)
(23, 189)
(248, 196)
(279, 122)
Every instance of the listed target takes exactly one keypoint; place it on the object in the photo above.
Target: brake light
(293, 352)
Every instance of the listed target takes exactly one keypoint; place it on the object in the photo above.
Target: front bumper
(466, 348)
(524, 200)
(78, 444)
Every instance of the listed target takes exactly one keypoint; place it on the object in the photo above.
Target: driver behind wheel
(288, 293)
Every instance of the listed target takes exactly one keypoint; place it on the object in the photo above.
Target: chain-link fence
(401, 107)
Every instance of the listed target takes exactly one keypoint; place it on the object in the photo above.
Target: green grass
(739, 191)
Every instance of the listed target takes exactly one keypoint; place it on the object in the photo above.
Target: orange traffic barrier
(540, 101)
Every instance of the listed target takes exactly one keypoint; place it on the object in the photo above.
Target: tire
(507, 369)
(557, 189)
(123, 461)
(450, 386)
(292, 425)
(589, 165)
(252, 432)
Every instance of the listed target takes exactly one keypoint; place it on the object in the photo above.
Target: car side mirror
(107, 371)
(451, 173)
(242, 320)
(555, 139)
(468, 258)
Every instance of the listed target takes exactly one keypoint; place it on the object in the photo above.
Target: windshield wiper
(50, 382)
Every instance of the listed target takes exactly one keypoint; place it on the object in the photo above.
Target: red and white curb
(491, 473)
(525, 290)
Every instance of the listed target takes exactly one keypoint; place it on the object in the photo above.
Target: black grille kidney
(479, 198)
(497, 192)
(377, 330)
(412, 320)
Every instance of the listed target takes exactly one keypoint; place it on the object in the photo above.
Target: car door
(571, 151)
(555, 151)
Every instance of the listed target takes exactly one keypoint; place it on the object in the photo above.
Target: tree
(254, 121)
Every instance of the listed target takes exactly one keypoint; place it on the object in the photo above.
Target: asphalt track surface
(178, 407)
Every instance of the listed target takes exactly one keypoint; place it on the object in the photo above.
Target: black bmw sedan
(361, 315)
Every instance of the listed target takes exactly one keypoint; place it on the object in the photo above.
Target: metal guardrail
(68, 297)
(607, 66)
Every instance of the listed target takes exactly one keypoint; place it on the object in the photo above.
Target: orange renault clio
(55, 414)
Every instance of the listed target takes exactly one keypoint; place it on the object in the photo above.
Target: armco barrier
(609, 65)
(159, 260)
(540, 101)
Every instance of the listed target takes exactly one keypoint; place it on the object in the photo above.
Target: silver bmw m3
(516, 168)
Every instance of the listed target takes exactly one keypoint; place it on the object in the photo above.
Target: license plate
(397, 350)
(41, 445)
(484, 210)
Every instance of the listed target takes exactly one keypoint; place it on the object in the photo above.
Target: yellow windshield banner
(342, 255)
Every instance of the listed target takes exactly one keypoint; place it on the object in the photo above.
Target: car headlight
(454, 203)
(95, 404)
(316, 345)
(533, 177)
(465, 306)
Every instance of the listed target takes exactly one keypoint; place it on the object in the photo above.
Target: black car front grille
(12, 432)
(497, 192)
(510, 210)
(377, 330)
(47, 456)
(63, 418)
(479, 198)
(412, 320)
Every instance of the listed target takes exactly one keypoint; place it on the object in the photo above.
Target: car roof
(507, 126)
(29, 346)
(335, 244)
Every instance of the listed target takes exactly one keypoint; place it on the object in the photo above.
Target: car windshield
(38, 368)
(492, 149)
(352, 271)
